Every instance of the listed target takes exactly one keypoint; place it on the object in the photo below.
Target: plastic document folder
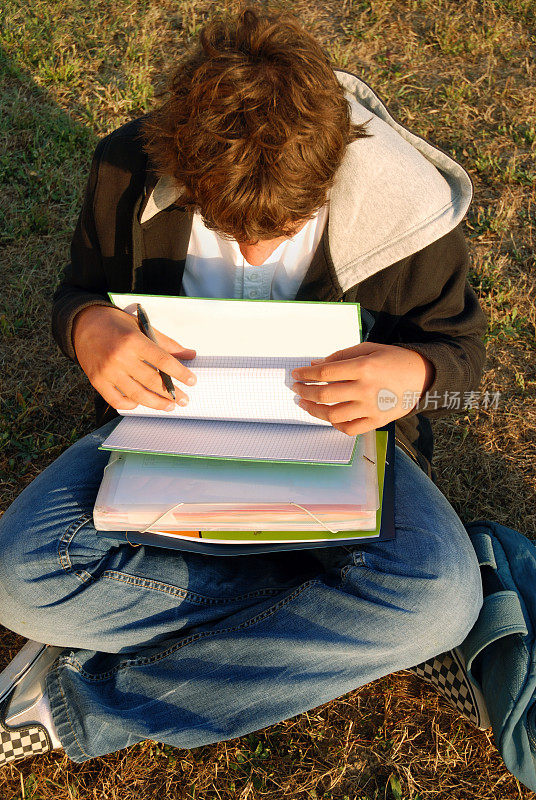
(167, 493)
(234, 542)
(242, 406)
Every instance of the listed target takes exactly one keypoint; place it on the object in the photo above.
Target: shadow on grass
(45, 151)
(44, 164)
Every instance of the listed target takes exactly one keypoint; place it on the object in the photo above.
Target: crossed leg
(191, 649)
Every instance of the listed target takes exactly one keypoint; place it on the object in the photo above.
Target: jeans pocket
(80, 551)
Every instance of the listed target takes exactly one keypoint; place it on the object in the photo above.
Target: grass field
(459, 74)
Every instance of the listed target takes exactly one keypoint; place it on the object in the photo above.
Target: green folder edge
(285, 536)
(236, 458)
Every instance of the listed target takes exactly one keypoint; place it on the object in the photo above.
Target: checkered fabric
(22, 742)
(447, 675)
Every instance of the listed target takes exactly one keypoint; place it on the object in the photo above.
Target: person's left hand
(363, 387)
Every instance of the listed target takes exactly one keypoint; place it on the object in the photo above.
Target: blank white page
(233, 440)
(263, 328)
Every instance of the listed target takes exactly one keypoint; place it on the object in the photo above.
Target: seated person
(263, 174)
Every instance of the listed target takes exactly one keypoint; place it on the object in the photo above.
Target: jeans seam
(66, 707)
(166, 588)
(140, 662)
(63, 548)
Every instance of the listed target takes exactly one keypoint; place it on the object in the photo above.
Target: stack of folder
(242, 468)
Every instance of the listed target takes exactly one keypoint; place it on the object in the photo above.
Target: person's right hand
(113, 353)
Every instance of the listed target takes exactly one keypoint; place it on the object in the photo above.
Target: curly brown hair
(254, 128)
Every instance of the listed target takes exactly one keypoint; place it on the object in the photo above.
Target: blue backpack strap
(503, 639)
(501, 615)
(482, 543)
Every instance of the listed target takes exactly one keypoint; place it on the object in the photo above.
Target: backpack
(490, 678)
(500, 650)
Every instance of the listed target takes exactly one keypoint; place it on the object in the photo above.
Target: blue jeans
(190, 649)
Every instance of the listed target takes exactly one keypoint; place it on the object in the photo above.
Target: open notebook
(242, 406)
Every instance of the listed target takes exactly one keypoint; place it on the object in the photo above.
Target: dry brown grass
(460, 74)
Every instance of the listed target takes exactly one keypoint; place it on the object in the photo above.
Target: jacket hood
(393, 194)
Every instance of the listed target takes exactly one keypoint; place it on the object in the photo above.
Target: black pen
(145, 327)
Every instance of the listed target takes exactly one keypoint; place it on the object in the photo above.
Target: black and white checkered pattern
(23, 741)
(446, 673)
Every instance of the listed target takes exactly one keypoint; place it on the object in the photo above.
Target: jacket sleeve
(83, 282)
(442, 320)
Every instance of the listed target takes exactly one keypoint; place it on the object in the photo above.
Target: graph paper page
(232, 440)
(241, 388)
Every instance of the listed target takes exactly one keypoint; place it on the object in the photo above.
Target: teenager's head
(253, 126)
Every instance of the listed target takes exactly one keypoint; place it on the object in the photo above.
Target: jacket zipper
(406, 450)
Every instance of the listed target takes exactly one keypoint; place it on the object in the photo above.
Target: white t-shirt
(215, 267)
